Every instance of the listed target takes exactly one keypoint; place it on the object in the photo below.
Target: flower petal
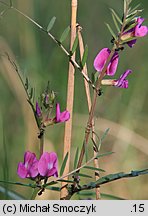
(101, 59)
(112, 67)
(141, 31)
(58, 112)
(47, 165)
(21, 170)
(122, 82)
(38, 110)
(33, 171)
(131, 43)
(65, 116)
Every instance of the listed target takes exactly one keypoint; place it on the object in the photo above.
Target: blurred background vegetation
(124, 111)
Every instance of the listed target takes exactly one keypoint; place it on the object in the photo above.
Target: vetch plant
(47, 111)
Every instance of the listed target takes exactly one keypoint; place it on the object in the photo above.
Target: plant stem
(41, 137)
(72, 60)
(87, 90)
(91, 115)
(70, 99)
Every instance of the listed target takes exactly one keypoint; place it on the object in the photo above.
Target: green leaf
(105, 154)
(51, 23)
(76, 158)
(130, 27)
(111, 31)
(94, 168)
(75, 44)
(125, 6)
(115, 23)
(137, 6)
(116, 16)
(84, 175)
(94, 76)
(65, 34)
(63, 164)
(129, 39)
(85, 55)
(103, 137)
(131, 17)
(50, 183)
(18, 183)
(53, 188)
(105, 134)
(26, 84)
(68, 181)
(31, 94)
(110, 196)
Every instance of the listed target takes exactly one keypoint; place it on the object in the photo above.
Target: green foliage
(63, 164)
(75, 44)
(64, 34)
(76, 158)
(94, 168)
(85, 55)
(105, 154)
(51, 24)
(111, 31)
(84, 175)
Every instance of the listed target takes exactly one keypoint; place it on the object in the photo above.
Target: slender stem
(87, 90)
(72, 60)
(41, 137)
(91, 115)
(70, 99)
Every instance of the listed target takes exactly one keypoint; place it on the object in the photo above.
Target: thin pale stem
(88, 96)
(70, 99)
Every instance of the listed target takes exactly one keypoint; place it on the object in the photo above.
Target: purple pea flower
(122, 82)
(29, 168)
(137, 31)
(38, 110)
(48, 165)
(101, 59)
(61, 117)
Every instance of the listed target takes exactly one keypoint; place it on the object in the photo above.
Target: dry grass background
(125, 112)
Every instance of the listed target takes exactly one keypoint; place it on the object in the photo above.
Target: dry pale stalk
(88, 96)
(70, 99)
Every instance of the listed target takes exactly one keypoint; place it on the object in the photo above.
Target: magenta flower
(122, 82)
(29, 168)
(101, 59)
(38, 110)
(137, 31)
(48, 165)
(61, 117)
